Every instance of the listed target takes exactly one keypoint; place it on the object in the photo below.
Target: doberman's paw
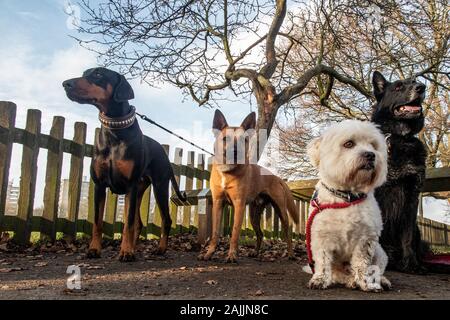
(93, 253)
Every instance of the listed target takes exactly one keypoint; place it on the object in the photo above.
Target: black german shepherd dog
(398, 112)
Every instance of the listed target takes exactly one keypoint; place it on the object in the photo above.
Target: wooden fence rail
(194, 215)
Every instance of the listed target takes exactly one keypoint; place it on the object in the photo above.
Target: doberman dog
(125, 160)
(237, 181)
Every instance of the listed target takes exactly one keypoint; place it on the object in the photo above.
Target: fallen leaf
(212, 282)
(259, 293)
(95, 267)
(5, 270)
(41, 264)
(83, 265)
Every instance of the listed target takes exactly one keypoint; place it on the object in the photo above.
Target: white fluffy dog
(351, 159)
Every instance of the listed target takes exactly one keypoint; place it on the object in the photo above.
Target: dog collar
(118, 123)
(347, 196)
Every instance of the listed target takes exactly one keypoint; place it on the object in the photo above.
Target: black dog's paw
(411, 266)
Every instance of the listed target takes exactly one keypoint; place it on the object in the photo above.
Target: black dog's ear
(249, 122)
(219, 121)
(379, 85)
(123, 91)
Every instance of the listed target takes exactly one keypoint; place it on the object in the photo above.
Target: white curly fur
(344, 242)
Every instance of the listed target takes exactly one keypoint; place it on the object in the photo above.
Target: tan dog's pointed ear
(219, 122)
(249, 122)
(313, 151)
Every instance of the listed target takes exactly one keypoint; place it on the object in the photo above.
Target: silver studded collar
(118, 123)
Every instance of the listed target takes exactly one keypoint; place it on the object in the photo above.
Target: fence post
(145, 210)
(52, 180)
(297, 226)
(303, 214)
(173, 206)
(28, 176)
(446, 235)
(198, 186)
(91, 204)
(276, 225)
(204, 220)
(75, 179)
(188, 186)
(268, 230)
(7, 121)
(110, 214)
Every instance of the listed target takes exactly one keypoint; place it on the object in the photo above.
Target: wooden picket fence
(193, 216)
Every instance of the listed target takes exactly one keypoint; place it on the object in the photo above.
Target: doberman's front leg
(239, 211)
(129, 228)
(95, 246)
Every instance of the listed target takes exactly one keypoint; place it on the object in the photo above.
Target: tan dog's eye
(349, 144)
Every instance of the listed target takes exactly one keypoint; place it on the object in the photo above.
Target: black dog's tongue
(410, 108)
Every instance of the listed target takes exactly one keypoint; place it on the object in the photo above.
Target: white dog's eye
(349, 144)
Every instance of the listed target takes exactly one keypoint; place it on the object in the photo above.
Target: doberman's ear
(219, 122)
(249, 122)
(123, 91)
(379, 85)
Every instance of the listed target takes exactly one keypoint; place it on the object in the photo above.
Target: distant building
(12, 198)
(84, 200)
(64, 199)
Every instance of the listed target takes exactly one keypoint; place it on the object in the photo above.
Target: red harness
(319, 208)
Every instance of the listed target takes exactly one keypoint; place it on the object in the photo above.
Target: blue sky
(37, 54)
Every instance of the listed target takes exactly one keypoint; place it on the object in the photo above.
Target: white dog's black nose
(370, 156)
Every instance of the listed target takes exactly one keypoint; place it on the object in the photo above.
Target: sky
(37, 54)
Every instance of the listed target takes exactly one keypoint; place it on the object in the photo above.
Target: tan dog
(235, 180)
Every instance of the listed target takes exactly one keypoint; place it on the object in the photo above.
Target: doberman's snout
(68, 84)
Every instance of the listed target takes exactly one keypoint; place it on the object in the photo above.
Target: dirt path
(37, 274)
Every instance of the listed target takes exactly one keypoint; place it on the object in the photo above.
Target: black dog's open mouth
(410, 110)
